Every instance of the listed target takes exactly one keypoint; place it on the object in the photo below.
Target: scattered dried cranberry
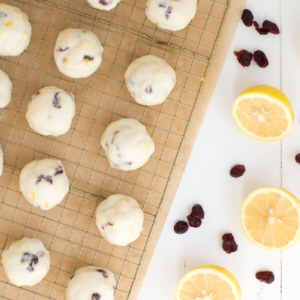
(197, 211)
(33, 262)
(194, 221)
(148, 89)
(229, 245)
(237, 171)
(247, 17)
(55, 101)
(297, 158)
(103, 2)
(103, 272)
(261, 31)
(96, 296)
(261, 58)
(271, 27)
(244, 57)
(46, 178)
(63, 49)
(87, 57)
(181, 227)
(265, 276)
(168, 12)
(58, 170)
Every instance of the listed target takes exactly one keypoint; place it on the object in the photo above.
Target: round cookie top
(44, 183)
(103, 4)
(127, 144)
(119, 219)
(50, 111)
(150, 80)
(91, 283)
(15, 30)
(170, 14)
(26, 262)
(77, 52)
(5, 89)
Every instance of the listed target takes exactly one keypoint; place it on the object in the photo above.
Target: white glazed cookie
(91, 283)
(5, 89)
(150, 80)
(26, 262)
(127, 144)
(50, 111)
(103, 4)
(171, 14)
(119, 219)
(44, 183)
(77, 52)
(15, 30)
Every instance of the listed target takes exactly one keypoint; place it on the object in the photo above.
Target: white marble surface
(219, 146)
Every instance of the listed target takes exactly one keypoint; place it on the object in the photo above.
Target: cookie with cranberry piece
(127, 144)
(77, 52)
(91, 283)
(103, 4)
(119, 219)
(150, 79)
(15, 30)
(26, 262)
(170, 14)
(44, 183)
(51, 111)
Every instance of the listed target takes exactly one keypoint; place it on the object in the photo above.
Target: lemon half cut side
(208, 282)
(264, 113)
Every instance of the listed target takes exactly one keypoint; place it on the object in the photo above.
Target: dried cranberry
(237, 171)
(25, 257)
(265, 276)
(181, 227)
(229, 245)
(103, 272)
(87, 57)
(194, 221)
(261, 31)
(261, 58)
(247, 17)
(58, 170)
(168, 12)
(55, 101)
(96, 296)
(62, 49)
(197, 211)
(33, 262)
(46, 178)
(244, 57)
(148, 89)
(271, 27)
(103, 2)
(297, 158)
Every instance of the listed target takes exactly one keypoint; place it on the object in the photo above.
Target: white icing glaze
(44, 183)
(5, 89)
(103, 4)
(51, 111)
(26, 262)
(171, 14)
(77, 52)
(15, 30)
(119, 219)
(91, 280)
(150, 80)
(127, 144)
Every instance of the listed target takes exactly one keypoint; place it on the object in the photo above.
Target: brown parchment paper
(69, 231)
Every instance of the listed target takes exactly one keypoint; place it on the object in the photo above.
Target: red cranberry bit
(244, 57)
(87, 57)
(33, 262)
(114, 136)
(168, 12)
(46, 178)
(181, 227)
(261, 58)
(62, 49)
(162, 5)
(55, 101)
(194, 221)
(261, 31)
(265, 276)
(197, 211)
(297, 158)
(103, 2)
(96, 296)
(271, 27)
(103, 272)
(148, 89)
(237, 171)
(247, 17)
(58, 170)
(255, 24)
(25, 257)
(229, 245)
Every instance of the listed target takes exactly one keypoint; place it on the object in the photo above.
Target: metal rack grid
(69, 229)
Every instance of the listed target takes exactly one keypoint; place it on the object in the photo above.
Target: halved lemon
(208, 282)
(264, 113)
(270, 218)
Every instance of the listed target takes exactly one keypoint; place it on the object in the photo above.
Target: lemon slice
(264, 113)
(270, 218)
(206, 283)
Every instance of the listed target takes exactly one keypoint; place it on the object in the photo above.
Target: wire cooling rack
(69, 229)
